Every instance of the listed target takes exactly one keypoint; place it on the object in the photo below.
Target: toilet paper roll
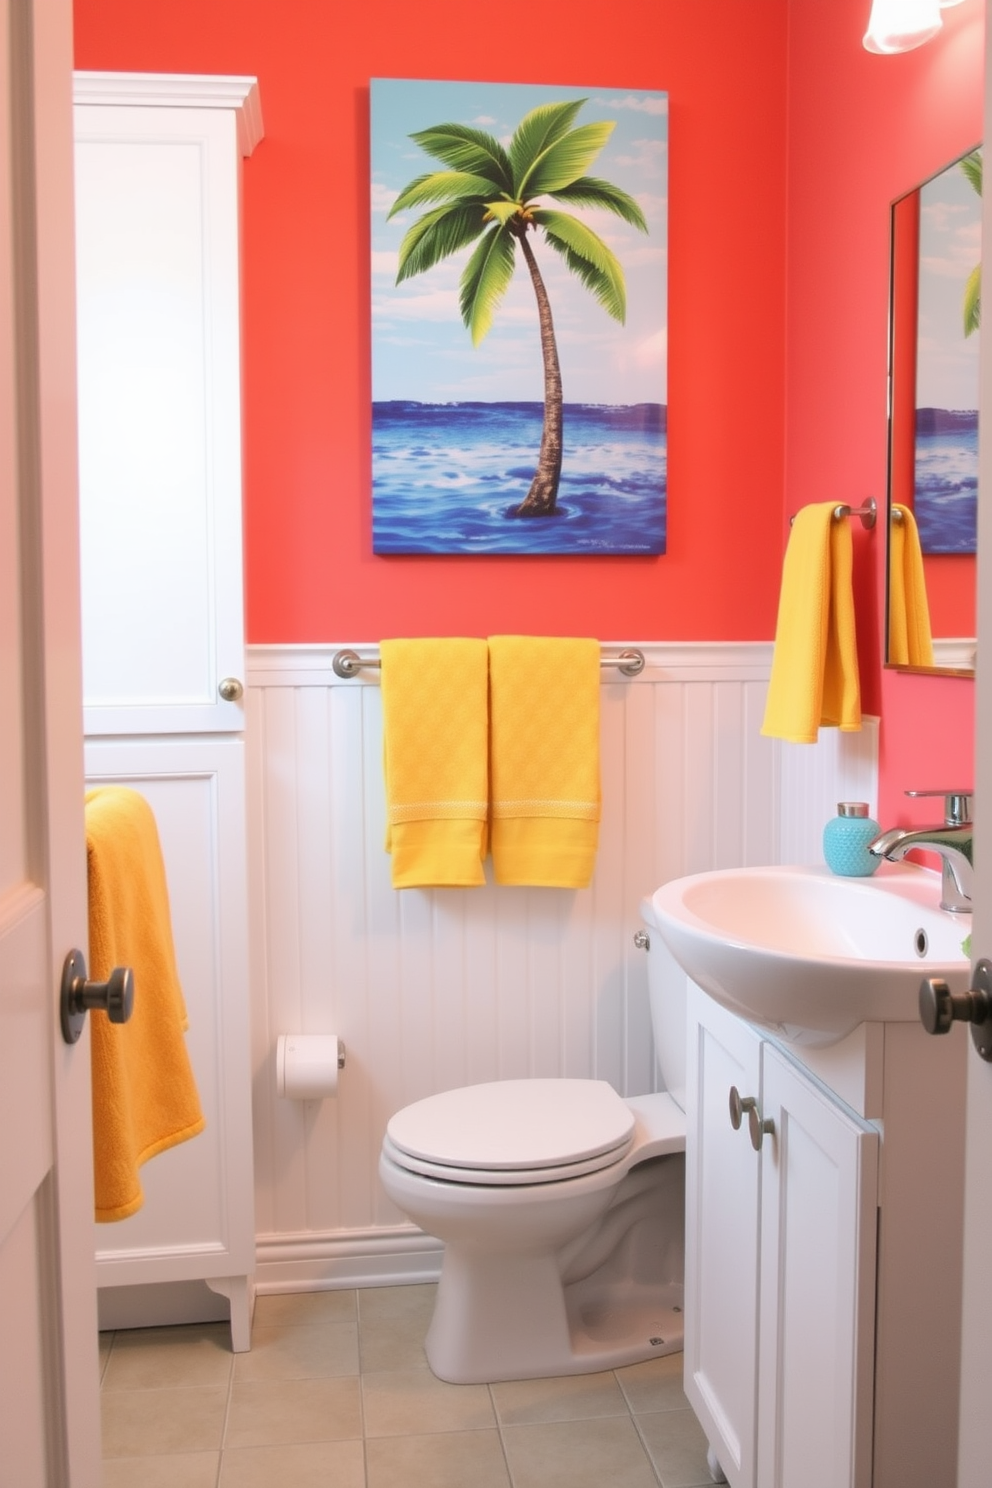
(307, 1065)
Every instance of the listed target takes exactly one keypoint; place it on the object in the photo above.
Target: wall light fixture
(901, 25)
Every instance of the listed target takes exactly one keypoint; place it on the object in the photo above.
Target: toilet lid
(515, 1127)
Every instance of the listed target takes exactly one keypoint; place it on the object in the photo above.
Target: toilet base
(474, 1338)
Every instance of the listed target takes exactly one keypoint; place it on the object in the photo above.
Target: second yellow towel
(435, 712)
(544, 741)
(814, 678)
(910, 640)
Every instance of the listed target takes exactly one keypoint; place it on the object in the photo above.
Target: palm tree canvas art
(519, 327)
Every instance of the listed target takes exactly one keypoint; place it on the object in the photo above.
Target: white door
(974, 1470)
(49, 1422)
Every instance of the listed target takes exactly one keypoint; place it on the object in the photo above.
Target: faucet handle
(957, 805)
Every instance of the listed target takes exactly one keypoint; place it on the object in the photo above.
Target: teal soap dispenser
(845, 841)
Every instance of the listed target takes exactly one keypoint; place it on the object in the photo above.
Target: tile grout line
(227, 1418)
(502, 1439)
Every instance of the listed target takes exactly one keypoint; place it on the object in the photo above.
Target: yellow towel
(814, 679)
(910, 641)
(144, 1095)
(435, 711)
(544, 740)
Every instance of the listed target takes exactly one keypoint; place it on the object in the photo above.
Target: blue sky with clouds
(950, 247)
(420, 347)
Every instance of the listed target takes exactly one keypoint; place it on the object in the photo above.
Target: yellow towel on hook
(144, 1094)
(910, 640)
(544, 760)
(435, 714)
(814, 677)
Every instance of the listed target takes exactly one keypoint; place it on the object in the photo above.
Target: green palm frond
(540, 129)
(503, 211)
(590, 191)
(588, 258)
(485, 280)
(973, 301)
(971, 165)
(442, 186)
(562, 163)
(437, 235)
(466, 149)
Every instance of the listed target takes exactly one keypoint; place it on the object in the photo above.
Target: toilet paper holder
(307, 1065)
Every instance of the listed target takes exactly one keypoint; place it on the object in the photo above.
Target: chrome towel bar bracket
(348, 663)
(866, 514)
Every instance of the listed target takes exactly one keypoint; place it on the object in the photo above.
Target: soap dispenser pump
(845, 841)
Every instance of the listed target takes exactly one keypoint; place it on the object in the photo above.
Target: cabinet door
(721, 1268)
(817, 1286)
(159, 417)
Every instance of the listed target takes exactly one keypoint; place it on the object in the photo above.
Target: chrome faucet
(952, 841)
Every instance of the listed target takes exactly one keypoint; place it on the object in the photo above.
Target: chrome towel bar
(349, 663)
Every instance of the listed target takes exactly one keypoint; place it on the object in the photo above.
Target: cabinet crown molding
(177, 90)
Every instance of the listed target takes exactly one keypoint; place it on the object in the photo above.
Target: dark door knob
(940, 1007)
(78, 995)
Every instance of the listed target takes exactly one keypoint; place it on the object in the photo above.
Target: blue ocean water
(946, 497)
(447, 477)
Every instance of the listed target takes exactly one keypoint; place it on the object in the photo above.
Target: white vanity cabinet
(817, 1354)
(158, 184)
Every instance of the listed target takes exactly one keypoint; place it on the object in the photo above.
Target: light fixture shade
(900, 25)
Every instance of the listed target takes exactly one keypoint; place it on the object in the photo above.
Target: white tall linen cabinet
(158, 178)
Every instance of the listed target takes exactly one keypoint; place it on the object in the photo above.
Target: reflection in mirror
(933, 421)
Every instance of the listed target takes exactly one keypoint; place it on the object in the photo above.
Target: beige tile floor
(336, 1393)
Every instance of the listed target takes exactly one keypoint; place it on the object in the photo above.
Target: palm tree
(493, 194)
(971, 165)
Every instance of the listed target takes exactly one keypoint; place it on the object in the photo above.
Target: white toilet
(561, 1207)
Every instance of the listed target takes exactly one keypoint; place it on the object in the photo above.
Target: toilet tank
(667, 996)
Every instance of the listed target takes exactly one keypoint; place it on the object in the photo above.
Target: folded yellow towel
(544, 742)
(814, 678)
(910, 640)
(435, 712)
(144, 1094)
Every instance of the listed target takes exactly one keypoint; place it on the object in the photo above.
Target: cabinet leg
(240, 1292)
(716, 1471)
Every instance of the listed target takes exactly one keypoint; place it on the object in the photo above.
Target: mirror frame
(955, 647)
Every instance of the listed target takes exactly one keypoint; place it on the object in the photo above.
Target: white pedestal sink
(810, 955)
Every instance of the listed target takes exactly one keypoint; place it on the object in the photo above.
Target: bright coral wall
(862, 130)
(311, 574)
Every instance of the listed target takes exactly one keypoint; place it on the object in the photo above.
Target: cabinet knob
(642, 940)
(738, 1106)
(940, 1007)
(231, 690)
(759, 1129)
(115, 996)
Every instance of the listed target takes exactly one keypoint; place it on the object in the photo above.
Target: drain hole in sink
(920, 942)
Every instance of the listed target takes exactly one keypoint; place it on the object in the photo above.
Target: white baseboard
(315, 1262)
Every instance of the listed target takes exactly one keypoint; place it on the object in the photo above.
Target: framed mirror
(935, 290)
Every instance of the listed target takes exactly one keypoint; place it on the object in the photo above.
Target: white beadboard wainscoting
(431, 989)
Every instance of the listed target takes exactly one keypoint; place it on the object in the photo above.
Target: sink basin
(809, 955)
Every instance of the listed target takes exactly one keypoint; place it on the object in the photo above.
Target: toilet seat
(513, 1132)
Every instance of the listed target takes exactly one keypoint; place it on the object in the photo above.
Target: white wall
(439, 988)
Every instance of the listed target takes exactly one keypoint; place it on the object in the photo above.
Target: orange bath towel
(144, 1094)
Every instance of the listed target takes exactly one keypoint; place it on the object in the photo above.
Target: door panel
(721, 1266)
(819, 1188)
